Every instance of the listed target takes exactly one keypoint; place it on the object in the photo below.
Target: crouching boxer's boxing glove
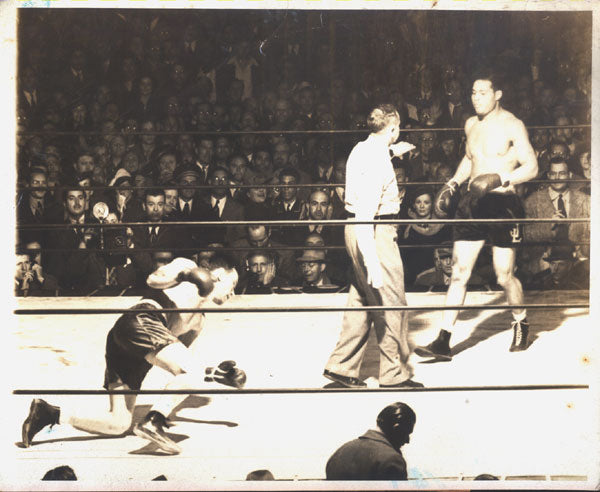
(198, 276)
(446, 201)
(485, 183)
(226, 373)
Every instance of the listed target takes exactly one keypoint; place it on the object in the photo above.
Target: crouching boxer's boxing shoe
(521, 332)
(152, 428)
(438, 349)
(40, 415)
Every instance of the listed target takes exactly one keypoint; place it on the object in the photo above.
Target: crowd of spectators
(110, 76)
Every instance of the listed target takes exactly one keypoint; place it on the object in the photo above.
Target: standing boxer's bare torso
(490, 145)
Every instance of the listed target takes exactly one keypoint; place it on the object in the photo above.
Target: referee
(372, 193)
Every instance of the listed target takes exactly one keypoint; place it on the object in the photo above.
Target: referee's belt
(377, 217)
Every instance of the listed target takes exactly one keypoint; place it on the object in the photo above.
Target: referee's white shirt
(371, 187)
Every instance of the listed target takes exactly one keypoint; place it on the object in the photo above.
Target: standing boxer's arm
(528, 168)
(463, 171)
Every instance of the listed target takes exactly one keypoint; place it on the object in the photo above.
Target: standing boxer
(372, 193)
(498, 157)
(139, 341)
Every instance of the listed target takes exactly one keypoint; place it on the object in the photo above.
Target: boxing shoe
(409, 383)
(152, 428)
(40, 415)
(438, 349)
(521, 332)
(347, 381)
(226, 373)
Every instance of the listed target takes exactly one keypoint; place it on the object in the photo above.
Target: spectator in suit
(187, 149)
(171, 200)
(262, 275)
(33, 205)
(282, 115)
(438, 277)
(78, 271)
(262, 161)
(223, 151)
(157, 236)
(189, 207)
(223, 208)
(29, 97)
(449, 150)
(77, 79)
(565, 271)
(312, 265)
(237, 165)
(287, 206)
(558, 200)
(167, 163)
(376, 454)
(146, 106)
(147, 145)
(254, 200)
(30, 279)
(337, 194)
(452, 107)
(318, 207)
(259, 236)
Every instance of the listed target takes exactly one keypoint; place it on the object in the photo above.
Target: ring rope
(268, 132)
(286, 248)
(244, 186)
(276, 391)
(232, 223)
(301, 309)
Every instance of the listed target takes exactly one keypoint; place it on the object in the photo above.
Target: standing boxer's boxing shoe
(346, 381)
(152, 429)
(521, 332)
(438, 349)
(40, 415)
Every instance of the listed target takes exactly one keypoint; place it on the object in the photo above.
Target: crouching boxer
(140, 340)
(498, 157)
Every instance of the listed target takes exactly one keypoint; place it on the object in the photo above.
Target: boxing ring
(284, 420)
(522, 416)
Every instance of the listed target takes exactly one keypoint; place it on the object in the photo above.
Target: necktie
(562, 230)
(289, 207)
(39, 210)
(560, 205)
(186, 209)
(153, 235)
(216, 208)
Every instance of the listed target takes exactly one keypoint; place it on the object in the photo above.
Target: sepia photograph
(323, 247)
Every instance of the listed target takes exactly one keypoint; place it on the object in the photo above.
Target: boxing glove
(484, 183)
(226, 373)
(446, 201)
(198, 276)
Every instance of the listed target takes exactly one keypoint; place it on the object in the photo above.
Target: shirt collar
(182, 202)
(554, 194)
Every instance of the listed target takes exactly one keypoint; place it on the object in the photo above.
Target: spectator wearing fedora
(565, 271)
(312, 265)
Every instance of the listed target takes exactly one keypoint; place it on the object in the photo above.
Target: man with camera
(70, 258)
